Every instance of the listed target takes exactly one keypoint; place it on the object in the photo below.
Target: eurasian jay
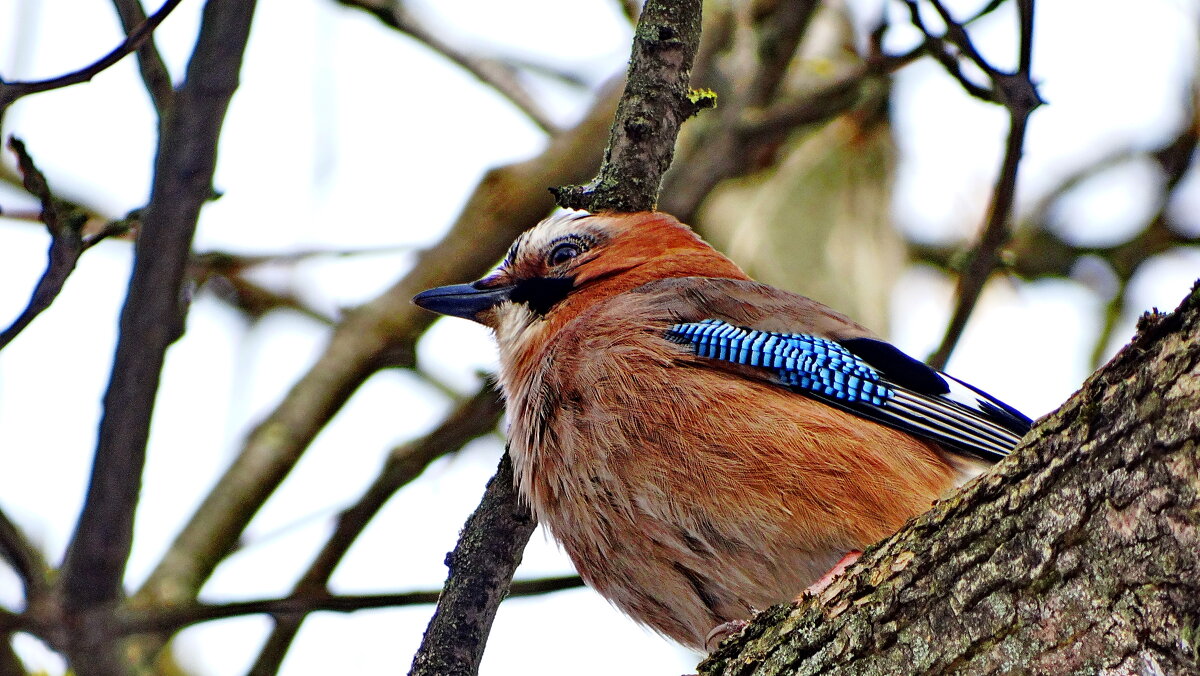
(700, 444)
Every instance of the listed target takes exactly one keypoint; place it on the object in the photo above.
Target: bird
(700, 444)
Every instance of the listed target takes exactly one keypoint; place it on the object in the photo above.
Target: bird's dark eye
(563, 253)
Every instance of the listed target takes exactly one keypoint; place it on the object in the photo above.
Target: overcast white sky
(332, 142)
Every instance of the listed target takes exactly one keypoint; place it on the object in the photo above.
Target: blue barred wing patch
(799, 360)
(928, 404)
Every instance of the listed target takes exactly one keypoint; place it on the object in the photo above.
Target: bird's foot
(721, 632)
(840, 567)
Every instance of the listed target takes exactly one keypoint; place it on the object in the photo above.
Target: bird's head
(574, 259)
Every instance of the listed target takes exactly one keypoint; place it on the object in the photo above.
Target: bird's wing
(797, 343)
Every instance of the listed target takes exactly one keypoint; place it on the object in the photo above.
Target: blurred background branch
(499, 75)
(1018, 93)
(138, 35)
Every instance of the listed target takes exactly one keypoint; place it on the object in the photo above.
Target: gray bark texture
(1080, 554)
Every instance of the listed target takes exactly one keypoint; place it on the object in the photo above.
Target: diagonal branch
(1020, 97)
(25, 559)
(67, 242)
(491, 72)
(11, 91)
(153, 70)
(481, 566)
(474, 417)
(655, 103)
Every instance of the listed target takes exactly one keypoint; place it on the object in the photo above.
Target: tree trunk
(1078, 555)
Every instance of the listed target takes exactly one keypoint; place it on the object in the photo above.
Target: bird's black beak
(463, 300)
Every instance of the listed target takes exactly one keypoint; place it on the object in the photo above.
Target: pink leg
(838, 568)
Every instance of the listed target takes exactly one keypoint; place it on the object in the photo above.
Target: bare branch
(25, 559)
(66, 243)
(474, 417)
(11, 91)
(151, 320)
(10, 664)
(491, 72)
(223, 274)
(830, 99)
(656, 102)
(1019, 95)
(481, 568)
(254, 300)
(173, 619)
(154, 72)
(935, 46)
(986, 255)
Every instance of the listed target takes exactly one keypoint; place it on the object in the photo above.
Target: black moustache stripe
(543, 293)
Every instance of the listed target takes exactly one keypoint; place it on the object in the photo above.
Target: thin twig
(935, 46)
(1019, 95)
(153, 70)
(11, 91)
(170, 620)
(26, 561)
(491, 72)
(13, 178)
(254, 300)
(66, 243)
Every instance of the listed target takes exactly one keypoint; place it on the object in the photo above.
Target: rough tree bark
(1078, 555)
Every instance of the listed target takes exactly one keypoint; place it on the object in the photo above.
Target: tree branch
(65, 222)
(25, 559)
(11, 91)
(1019, 95)
(66, 243)
(481, 568)
(171, 620)
(154, 72)
(656, 102)
(491, 72)
(153, 315)
(1079, 554)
